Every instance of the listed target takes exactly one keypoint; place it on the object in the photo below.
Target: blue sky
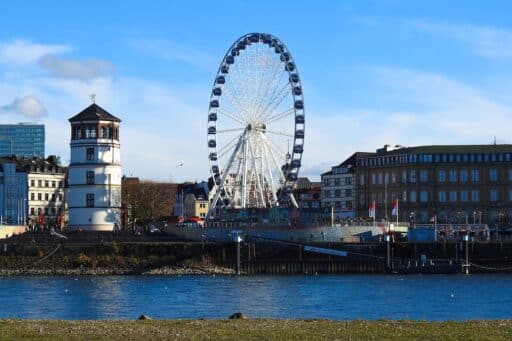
(373, 72)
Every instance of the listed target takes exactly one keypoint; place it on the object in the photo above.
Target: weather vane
(93, 97)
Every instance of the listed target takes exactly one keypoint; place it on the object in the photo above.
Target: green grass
(256, 329)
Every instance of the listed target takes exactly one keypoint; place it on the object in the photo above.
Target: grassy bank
(255, 330)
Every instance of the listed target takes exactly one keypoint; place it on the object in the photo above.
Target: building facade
(22, 140)
(46, 205)
(338, 187)
(307, 193)
(94, 193)
(13, 193)
(454, 183)
(32, 191)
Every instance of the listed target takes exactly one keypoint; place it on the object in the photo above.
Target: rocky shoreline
(83, 271)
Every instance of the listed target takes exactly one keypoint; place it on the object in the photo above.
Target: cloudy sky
(373, 72)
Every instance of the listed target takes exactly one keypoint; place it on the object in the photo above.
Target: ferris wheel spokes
(256, 85)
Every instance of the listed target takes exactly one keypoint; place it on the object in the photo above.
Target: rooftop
(94, 113)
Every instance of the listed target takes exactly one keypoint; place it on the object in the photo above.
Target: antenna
(93, 97)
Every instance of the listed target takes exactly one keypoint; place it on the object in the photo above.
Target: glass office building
(22, 139)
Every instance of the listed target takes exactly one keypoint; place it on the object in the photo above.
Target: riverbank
(255, 330)
(83, 271)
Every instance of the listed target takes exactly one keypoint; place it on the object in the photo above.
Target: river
(341, 297)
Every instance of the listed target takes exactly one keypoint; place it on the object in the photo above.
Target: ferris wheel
(256, 125)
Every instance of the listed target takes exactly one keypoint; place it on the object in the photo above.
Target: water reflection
(335, 297)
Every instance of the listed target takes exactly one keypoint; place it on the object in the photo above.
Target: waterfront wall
(256, 258)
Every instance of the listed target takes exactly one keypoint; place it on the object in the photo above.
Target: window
(475, 175)
(510, 175)
(361, 179)
(32, 211)
(452, 174)
(53, 184)
(475, 195)
(493, 174)
(464, 196)
(453, 196)
(337, 193)
(380, 178)
(46, 196)
(348, 180)
(89, 200)
(60, 196)
(39, 183)
(412, 196)
(32, 196)
(423, 196)
(463, 175)
(39, 196)
(53, 197)
(105, 132)
(32, 183)
(493, 195)
(90, 177)
(348, 192)
(39, 210)
(404, 176)
(412, 176)
(423, 175)
(441, 176)
(374, 177)
(46, 183)
(60, 184)
(337, 182)
(442, 196)
(326, 182)
(90, 154)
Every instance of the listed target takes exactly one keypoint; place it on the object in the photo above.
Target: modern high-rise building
(94, 174)
(22, 140)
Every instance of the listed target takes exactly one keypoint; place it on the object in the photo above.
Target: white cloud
(486, 41)
(26, 52)
(169, 50)
(28, 107)
(77, 69)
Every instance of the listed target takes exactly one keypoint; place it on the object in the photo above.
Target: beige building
(46, 182)
(195, 205)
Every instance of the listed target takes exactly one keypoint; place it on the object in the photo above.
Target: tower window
(90, 177)
(89, 200)
(90, 154)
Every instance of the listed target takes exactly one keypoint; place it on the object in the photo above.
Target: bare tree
(145, 201)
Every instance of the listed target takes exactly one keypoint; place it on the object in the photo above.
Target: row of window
(451, 175)
(442, 196)
(53, 197)
(347, 180)
(91, 132)
(46, 183)
(337, 193)
(435, 158)
(46, 210)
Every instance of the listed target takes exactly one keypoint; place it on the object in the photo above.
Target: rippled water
(346, 297)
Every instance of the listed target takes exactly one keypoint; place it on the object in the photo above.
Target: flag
(371, 210)
(395, 207)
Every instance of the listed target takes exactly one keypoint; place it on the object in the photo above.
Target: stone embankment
(162, 271)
